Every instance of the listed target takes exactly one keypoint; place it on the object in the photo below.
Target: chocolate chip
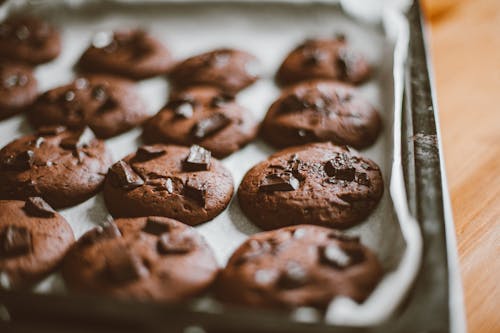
(146, 153)
(123, 265)
(313, 57)
(184, 110)
(255, 250)
(50, 130)
(15, 241)
(294, 276)
(78, 139)
(169, 185)
(220, 100)
(210, 125)
(339, 258)
(333, 234)
(15, 80)
(36, 206)
(22, 33)
(279, 182)
(81, 83)
(197, 160)
(175, 243)
(20, 161)
(69, 96)
(362, 178)
(340, 167)
(108, 230)
(292, 103)
(99, 93)
(195, 190)
(155, 227)
(265, 277)
(39, 141)
(123, 176)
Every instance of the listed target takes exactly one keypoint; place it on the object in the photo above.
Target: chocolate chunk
(197, 160)
(210, 125)
(294, 276)
(339, 258)
(362, 178)
(123, 265)
(78, 140)
(146, 153)
(343, 237)
(81, 83)
(340, 167)
(107, 230)
(256, 250)
(265, 277)
(292, 103)
(313, 57)
(20, 161)
(220, 100)
(15, 241)
(99, 93)
(123, 176)
(279, 182)
(195, 190)
(36, 206)
(169, 185)
(184, 110)
(155, 227)
(39, 141)
(50, 130)
(175, 243)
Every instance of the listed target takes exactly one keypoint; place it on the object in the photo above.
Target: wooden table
(465, 42)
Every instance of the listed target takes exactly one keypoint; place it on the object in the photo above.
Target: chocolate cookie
(131, 53)
(108, 105)
(149, 258)
(29, 39)
(317, 183)
(186, 184)
(317, 111)
(203, 116)
(18, 88)
(33, 241)
(299, 266)
(63, 167)
(324, 58)
(228, 69)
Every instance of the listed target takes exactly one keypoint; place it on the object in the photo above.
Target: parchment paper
(269, 31)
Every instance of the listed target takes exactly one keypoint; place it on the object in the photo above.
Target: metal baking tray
(434, 303)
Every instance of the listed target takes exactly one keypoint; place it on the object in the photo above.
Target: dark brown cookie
(29, 39)
(149, 258)
(203, 116)
(317, 183)
(33, 241)
(299, 266)
(227, 69)
(164, 180)
(18, 88)
(63, 167)
(108, 105)
(130, 53)
(324, 58)
(317, 111)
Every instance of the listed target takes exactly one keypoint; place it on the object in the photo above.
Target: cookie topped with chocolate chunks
(319, 183)
(63, 167)
(324, 58)
(230, 70)
(29, 39)
(296, 266)
(318, 111)
(147, 258)
(33, 241)
(131, 53)
(186, 184)
(203, 116)
(108, 105)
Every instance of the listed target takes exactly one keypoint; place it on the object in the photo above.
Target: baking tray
(431, 306)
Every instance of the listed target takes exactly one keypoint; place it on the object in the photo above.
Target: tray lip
(448, 220)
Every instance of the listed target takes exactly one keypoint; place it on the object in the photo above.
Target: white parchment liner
(269, 31)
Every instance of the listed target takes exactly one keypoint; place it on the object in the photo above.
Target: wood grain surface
(465, 47)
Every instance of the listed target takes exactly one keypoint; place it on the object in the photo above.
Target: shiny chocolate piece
(123, 176)
(197, 160)
(195, 190)
(340, 167)
(333, 255)
(210, 125)
(36, 206)
(15, 241)
(107, 230)
(155, 227)
(294, 276)
(279, 182)
(50, 130)
(123, 265)
(175, 244)
(146, 153)
(80, 139)
(182, 108)
(20, 161)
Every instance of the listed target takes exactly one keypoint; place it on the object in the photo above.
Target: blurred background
(465, 49)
